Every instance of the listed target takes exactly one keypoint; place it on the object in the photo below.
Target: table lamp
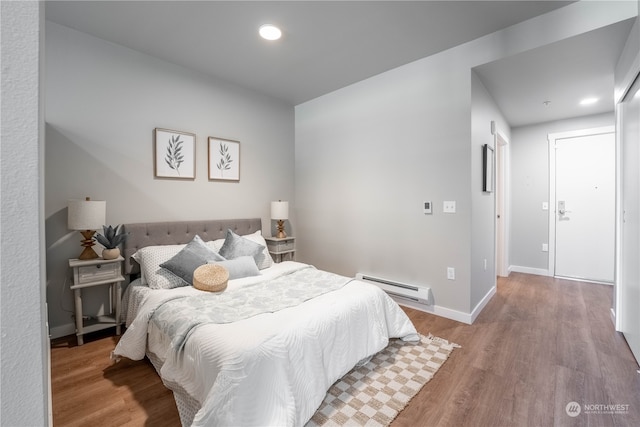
(86, 216)
(280, 212)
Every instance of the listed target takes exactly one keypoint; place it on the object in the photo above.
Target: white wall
(103, 102)
(484, 110)
(23, 350)
(368, 155)
(530, 187)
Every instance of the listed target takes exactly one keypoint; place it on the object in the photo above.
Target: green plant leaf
(112, 237)
(174, 157)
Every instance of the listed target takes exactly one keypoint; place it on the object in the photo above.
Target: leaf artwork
(225, 159)
(174, 157)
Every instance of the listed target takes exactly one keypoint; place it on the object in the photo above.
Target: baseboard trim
(613, 318)
(483, 302)
(449, 313)
(529, 270)
(577, 279)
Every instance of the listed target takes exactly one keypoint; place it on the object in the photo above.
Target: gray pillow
(244, 266)
(192, 256)
(235, 246)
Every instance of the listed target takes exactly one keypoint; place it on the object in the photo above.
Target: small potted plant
(111, 239)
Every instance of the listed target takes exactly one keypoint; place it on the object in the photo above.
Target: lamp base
(87, 243)
(281, 234)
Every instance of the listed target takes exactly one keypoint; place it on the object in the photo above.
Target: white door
(585, 207)
(628, 295)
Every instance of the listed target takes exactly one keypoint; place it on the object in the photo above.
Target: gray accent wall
(530, 188)
(103, 102)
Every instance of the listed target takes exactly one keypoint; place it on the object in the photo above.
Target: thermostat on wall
(427, 207)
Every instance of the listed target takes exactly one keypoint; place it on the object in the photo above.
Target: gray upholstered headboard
(176, 233)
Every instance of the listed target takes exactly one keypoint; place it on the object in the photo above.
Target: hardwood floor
(88, 389)
(538, 345)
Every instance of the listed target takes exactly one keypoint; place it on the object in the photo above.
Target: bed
(266, 349)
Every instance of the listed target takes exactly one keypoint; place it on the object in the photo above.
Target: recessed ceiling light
(588, 101)
(270, 32)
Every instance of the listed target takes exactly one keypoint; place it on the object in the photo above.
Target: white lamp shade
(86, 214)
(280, 210)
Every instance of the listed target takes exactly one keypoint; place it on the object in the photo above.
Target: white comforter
(273, 368)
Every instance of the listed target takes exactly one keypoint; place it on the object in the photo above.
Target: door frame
(551, 138)
(501, 144)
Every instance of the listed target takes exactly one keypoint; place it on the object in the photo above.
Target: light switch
(449, 206)
(451, 273)
(426, 208)
(545, 206)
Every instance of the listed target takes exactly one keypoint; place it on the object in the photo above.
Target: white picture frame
(174, 154)
(224, 159)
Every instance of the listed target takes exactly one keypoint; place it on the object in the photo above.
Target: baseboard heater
(416, 294)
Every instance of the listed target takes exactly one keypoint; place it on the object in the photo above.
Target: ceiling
(561, 73)
(328, 45)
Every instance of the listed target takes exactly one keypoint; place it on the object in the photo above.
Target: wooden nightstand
(281, 249)
(97, 272)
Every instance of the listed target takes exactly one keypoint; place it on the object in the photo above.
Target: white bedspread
(273, 368)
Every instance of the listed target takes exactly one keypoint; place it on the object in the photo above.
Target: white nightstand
(281, 249)
(97, 272)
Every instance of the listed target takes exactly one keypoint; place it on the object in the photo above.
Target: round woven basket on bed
(210, 277)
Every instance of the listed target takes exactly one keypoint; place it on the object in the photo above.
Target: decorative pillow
(238, 268)
(256, 237)
(235, 246)
(192, 256)
(150, 258)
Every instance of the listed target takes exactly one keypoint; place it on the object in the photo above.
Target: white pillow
(151, 257)
(256, 237)
(215, 244)
(152, 274)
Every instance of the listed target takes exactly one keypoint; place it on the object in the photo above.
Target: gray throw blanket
(238, 304)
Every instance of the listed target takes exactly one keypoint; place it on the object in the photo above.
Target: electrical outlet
(449, 206)
(451, 273)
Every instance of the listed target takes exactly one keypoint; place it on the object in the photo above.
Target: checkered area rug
(374, 394)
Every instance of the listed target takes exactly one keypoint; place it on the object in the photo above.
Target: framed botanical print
(224, 159)
(174, 154)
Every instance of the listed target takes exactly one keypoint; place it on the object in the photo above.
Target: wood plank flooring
(540, 344)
